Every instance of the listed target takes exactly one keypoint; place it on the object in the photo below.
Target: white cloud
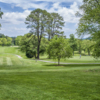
(67, 13)
(27, 1)
(25, 4)
(11, 20)
(15, 17)
(14, 31)
(13, 23)
(31, 5)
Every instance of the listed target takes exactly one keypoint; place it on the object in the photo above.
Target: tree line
(46, 32)
(57, 45)
(89, 23)
(5, 40)
(43, 23)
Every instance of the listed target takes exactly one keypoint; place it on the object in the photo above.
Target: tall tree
(72, 42)
(54, 25)
(90, 21)
(1, 13)
(28, 44)
(37, 22)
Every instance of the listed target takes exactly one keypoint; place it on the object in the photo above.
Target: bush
(30, 54)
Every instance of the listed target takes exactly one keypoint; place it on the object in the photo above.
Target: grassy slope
(12, 51)
(75, 59)
(30, 80)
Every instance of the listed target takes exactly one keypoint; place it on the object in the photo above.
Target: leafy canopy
(58, 48)
(90, 22)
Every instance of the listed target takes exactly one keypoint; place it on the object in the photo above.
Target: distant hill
(87, 38)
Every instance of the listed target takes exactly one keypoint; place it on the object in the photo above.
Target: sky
(16, 11)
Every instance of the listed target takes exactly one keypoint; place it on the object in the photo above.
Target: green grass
(27, 79)
(12, 51)
(74, 59)
(50, 85)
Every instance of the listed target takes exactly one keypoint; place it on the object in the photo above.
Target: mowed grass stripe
(9, 62)
(1, 61)
(16, 61)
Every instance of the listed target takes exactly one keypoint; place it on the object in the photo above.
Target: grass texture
(27, 79)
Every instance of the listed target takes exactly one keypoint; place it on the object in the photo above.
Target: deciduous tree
(72, 42)
(58, 48)
(90, 21)
(37, 22)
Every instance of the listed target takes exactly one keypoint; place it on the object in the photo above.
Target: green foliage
(54, 25)
(9, 41)
(29, 45)
(13, 40)
(1, 13)
(87, 45)
(43, 46)
(5, 41)
(58, 48)
(90, 20)
(2, 36)
(18, 40)
(96, 51)
(79, 47)
(43, 23)
(73, 42)
(37, 22)
(30, 53)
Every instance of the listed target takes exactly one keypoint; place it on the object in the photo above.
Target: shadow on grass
(43, 58)
(39, 59)
(71, 65)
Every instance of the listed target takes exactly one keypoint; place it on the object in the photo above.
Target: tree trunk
(58, 61)
(35, 56)
(38, 45)
(84, 50)
(80, 50)
(73, 52)
(38, 48)
(88, 52)
(49, 56)
(49, 40)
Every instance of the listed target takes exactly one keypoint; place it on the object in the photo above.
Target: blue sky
(15, 12)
